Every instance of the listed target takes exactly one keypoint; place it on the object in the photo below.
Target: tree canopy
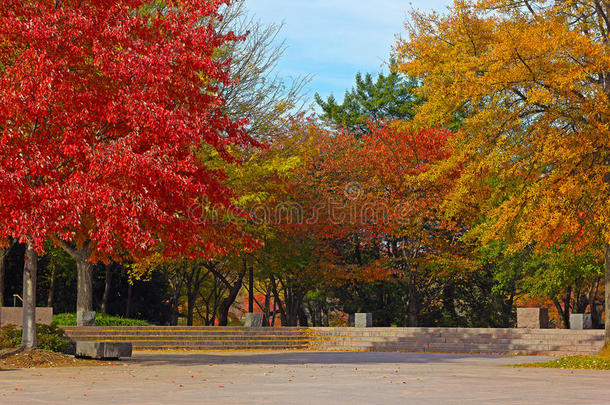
(531, 78)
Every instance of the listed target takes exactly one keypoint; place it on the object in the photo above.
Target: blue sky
(334, 39)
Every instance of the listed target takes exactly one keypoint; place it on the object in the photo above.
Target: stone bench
(103, 350)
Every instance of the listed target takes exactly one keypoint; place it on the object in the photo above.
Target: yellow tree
(531, 80)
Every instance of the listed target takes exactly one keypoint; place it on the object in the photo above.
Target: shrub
(10, 337)
(101, 319)
(49, 337)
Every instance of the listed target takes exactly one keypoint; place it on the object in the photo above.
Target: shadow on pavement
(288, 358)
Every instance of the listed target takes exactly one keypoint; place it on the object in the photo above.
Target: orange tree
(531, 80)
(378, 210)
(291, 260)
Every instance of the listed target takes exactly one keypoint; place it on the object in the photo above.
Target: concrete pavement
(307, 378)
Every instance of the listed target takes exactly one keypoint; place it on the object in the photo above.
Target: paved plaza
(306, 378)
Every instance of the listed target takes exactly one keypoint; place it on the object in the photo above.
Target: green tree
(390, 97)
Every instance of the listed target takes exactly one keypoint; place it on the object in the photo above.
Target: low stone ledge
(581, 321)
(14, 316)
(103, 350)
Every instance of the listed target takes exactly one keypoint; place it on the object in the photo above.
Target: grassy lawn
(600, 361)
(101, 319)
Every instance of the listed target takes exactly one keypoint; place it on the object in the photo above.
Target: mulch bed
(45, 358)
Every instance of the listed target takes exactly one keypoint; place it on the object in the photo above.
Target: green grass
(574, 362)
(101, 319)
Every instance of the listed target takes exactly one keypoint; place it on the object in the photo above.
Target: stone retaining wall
(462, 340)
(14, 315)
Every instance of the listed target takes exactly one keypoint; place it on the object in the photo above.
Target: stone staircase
(194, 338)
(456, 340)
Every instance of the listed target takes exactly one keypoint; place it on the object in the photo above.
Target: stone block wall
(456, 340)
(533, 318)
(460, 340)
(14, 315)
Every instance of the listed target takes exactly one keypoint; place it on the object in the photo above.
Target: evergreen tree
(389, 97)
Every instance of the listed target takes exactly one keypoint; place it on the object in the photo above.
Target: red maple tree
(105, 109)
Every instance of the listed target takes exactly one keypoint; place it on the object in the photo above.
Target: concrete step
(203, 341)
(184, 332)
(209, 348)
(190, 336)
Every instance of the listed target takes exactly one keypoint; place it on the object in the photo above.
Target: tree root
(11, 352)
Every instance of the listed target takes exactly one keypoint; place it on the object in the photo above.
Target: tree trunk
(564, 311)
(507, 310)
(593, 304)
(176, 282)
(273, 314)
(3, 253)
(51, 292)
(30, 267)
(412, 308)
(84, 283)
(84, 294)
(448, 299)
(607, 292)
(297, 314)
(251, 289)
(190, 311)
(567, 308)
(173, 320)
(277, 303)
(302, 316)
(233, 289)
(225, 305)
(559, 311)
(266, 308)
(129, 296)
(107, 283)
(313, 312)
(193, 290)
(289, 304)
(606, 163)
